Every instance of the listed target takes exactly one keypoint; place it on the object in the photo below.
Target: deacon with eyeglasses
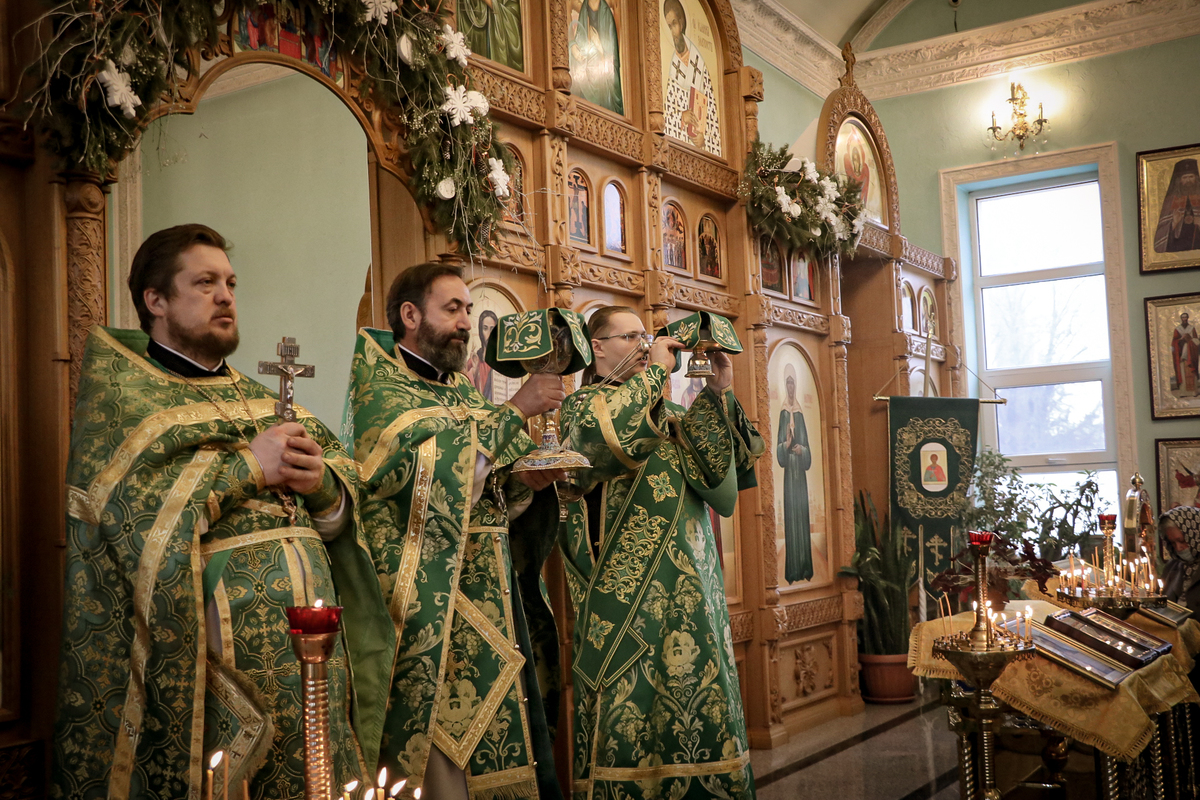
(658, 711)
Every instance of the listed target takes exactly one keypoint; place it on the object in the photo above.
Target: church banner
(932, 459)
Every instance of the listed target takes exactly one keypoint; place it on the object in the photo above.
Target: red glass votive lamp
(980, 538)
(314, 619)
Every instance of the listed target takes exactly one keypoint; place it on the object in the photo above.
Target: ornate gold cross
(288, 370)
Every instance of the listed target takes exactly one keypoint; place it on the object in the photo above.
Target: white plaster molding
(1105, 157)
(875, 25)
(244, 77)
(789, 44)
(126, 232)
(1071, 34)
(1075, 33)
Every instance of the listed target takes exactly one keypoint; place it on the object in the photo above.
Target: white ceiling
(836, 20)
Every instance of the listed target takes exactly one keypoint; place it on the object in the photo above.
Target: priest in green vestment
(465, 715)
(195, 517)
(658, 710)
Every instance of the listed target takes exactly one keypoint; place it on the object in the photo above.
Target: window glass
(1051, 418)
(1040, 229)
(1045, 323)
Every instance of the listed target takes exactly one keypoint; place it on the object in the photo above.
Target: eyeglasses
(629, 337)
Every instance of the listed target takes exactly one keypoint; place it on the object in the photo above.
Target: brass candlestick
(314, 633)
(980, 656)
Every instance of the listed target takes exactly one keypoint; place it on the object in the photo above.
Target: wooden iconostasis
(629, 121)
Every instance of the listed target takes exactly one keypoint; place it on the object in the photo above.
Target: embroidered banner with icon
(932, 458)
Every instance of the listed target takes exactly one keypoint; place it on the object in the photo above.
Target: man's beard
(210, 346)
(680, 44)
(447, 352)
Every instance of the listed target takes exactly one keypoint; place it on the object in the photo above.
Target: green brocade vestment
(180, 564)
(466, 674)
(658, 711)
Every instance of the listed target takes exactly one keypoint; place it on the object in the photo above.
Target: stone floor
(901, 752)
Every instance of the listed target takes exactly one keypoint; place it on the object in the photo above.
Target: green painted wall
(787, 107)
(925, 19)
(281, 171)
(1128, 98)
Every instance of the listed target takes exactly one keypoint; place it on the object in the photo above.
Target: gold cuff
(256, 470)
(518, 411)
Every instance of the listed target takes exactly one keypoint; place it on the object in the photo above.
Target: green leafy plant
(107, 67)
(1008, 566)
(886, 570)
(805, 209)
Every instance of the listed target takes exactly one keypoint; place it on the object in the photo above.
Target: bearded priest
(465, 717)
(195, 518)
(658, 710)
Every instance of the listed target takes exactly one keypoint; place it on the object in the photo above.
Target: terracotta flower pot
(887, 679)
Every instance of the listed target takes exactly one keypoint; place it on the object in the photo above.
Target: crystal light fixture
(1022, 128)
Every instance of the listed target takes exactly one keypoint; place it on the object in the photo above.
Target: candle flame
(382, 778)
(396, 787)
(318, 604)
(369, 794)
(351, 786)
(216, 759)
(416, 794)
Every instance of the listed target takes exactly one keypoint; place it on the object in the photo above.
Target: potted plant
(885, 570)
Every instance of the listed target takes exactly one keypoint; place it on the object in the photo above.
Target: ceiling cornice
(1079, 32)
(789, 44)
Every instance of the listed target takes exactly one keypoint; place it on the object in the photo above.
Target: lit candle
(348, 788)
(1004, 626)
(369, 794)
(1028, 624)
(317, 618)
(1160, 586)
(382, 781)
(396, 787)
(416, 794)
(212, 766)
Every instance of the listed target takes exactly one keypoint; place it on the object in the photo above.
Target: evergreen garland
(106, 63)
(807, 209)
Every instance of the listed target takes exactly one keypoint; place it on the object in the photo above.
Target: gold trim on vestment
(295, 569)
(252, 463)
(154, 548)
(79, 507)
(248, 539)
(651, 399)
(221, 598)
(383, 445)
(661, 771)
(198, 687)
(213, 506)
(410, 559)
(148, 431)
(490, 780)
(310, 584)
(600, 409)
(460, 751)
(264, 507)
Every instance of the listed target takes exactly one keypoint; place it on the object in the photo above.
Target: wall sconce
(1022, 128)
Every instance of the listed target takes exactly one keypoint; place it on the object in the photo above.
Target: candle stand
(314, 633)
(1113, 591)
(980, 656)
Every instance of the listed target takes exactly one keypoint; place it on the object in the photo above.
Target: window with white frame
(1043, 333)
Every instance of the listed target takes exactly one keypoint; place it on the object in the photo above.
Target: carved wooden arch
(848, 101)
(484, 282)
(381, 126)
(623, 194)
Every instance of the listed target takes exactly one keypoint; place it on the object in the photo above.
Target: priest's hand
(722, 377)
(303, 467)
(540, 479)
(663, 351)
(539, 393)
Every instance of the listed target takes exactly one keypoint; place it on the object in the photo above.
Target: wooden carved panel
(701, 171)
(811, 613)
(741, 626)
(620, 139)
(699, 298)
(87, 266)
(924, 260)
(801, 320)
(605, 277)
(21, 769)
(508, 96)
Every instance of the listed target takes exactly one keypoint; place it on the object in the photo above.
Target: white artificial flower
(498, 176)
(816, 232)
(859, 222)
(405, 47)
(457, 107)
(829, 188)
(379, 10)
(810, 171)
(781, 196)
(445, 189)
(117, 89)
(479, 103)
(455, 45)
(795, 210)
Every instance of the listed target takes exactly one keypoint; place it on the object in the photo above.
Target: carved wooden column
(87, 265)
(752, 95)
